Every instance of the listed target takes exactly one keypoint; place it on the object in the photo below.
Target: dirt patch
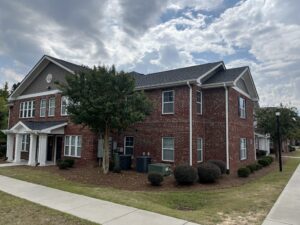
(133, 181)
(2, 160)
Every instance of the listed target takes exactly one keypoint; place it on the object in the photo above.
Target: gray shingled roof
(34, 125)
(228, 75)
(176, 75)
(71, 66)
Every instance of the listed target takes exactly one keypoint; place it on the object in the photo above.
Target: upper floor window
(25, 143)
(242, 107)
(168, 102)
(27, 109)
(168, 149)
(51, 110)
(199, 102)
(199, 149)
(243, 148)
(43, 106)
(64, 105)
(72, 146)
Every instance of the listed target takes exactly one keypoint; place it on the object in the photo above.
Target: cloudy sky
(155, 35)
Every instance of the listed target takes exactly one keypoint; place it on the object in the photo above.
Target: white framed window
(199, 102)
(27, 109)
(51, 109)
(168, 149)
(64, 105)
(242, 107)
(72, 146)
(199, 149)
(128, 145)
(243, 148)
(168, 102)
(43, 106)
(25, 143)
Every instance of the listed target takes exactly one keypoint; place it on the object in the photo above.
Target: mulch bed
(2, 161)
(133, 181)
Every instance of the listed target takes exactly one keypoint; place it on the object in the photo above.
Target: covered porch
(35, 143)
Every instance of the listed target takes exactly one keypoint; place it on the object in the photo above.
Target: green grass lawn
(296, 153)
(247, 204)
(18, 211)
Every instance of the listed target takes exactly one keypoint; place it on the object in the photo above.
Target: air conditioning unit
(161, 168)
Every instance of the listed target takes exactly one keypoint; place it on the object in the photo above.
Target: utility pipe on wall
(191, 122)
(227, 129)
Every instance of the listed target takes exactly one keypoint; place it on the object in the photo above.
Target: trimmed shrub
(269, 158)
(155, 179)
(261, 153)
(185, 174)
(220, 164)
(258, 166)
(70, 162)
(62, 164)
(243, 172)
(251, 167)
(264, 162)
(208, 172)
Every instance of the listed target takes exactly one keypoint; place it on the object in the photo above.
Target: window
(168, 149)
(199, 150)
(242, 107)
(72, 146)
(199, 102)
(243, 148)
(128, 145)
(27, 109)
(43, 105)
(51, 110)
(168, 102)
(25, 143)
(64, 105)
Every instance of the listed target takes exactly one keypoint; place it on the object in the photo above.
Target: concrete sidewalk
(286, 209)
(95, 210)
(12, 164)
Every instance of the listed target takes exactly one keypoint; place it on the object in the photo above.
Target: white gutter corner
(191, 122)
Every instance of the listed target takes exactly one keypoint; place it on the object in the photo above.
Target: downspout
(191, 122)
(227, 128)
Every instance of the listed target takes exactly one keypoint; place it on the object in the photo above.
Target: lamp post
(279, 140)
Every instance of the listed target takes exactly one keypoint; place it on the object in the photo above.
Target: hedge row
(247, 170)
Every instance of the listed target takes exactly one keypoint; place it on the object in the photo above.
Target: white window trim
(76, 146)
(24, 140)
(125, 153)
(61, 106)
(25, 109)
(162, 150)
(242, 109)
(49, 107)
(162, 101)
(45, 107)
(200, 150)
(243, 149)
(199, 113)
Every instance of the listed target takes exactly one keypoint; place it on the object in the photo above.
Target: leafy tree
(3, 109)
(289, 122)
(106, 101)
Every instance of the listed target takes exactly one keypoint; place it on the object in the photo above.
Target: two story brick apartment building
(200, 112)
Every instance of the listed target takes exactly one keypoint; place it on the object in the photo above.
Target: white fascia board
(18, 124)
(244, 71)
(60, 65)
(170, 84)
(242, 92)
(208, 72)
(35, 95)
(215, 85)
(48, 130)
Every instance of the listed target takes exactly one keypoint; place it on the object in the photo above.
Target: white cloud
(9, 75)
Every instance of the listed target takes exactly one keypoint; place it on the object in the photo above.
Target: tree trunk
(105, 164)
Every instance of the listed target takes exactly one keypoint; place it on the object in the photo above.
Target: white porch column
(18, 148)
(10, 147)
(32, 150)
(42, 149)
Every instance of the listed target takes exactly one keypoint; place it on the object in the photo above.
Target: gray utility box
(161, 168)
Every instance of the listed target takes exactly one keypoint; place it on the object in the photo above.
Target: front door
(50, 148)
(58, 147)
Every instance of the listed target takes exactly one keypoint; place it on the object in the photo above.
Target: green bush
(2, 151)
(251, 167)
(220, 164)
(208, 172)
(185, 174)
(62, 164)
(70, 162)
(258, 166)
(243, 172)
(269, 158)
(264, 162)
(155, 179)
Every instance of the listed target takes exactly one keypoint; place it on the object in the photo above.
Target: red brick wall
(240, 128)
